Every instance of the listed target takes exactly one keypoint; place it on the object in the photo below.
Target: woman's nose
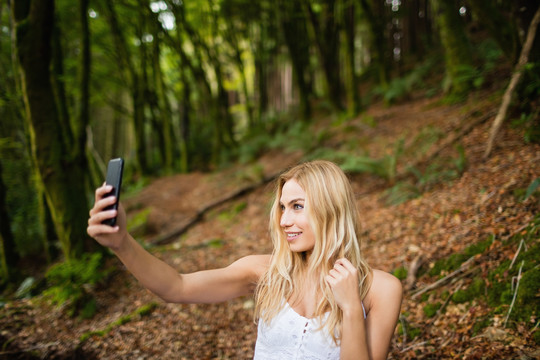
(285, 219)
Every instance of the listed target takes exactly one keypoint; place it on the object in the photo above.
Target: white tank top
(291, 336)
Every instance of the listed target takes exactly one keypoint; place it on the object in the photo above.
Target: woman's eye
(298, 207)
(282, 208)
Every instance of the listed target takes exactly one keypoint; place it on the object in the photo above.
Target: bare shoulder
(386, 290)
(255, 265)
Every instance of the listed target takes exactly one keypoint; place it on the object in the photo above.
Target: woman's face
(294, 218)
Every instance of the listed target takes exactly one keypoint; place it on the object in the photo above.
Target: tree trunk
(293, 26)
(457, 52)
(374, 15)
(58, 165)
(134, 83)
(8, 254)
(326, 33)
(351, 80)
(162, 104)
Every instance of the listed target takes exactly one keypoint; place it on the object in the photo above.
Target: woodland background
(210, 99)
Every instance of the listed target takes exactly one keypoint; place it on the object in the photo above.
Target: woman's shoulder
(255, 264)
(385, 289)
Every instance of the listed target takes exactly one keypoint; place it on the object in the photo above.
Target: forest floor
(447, 216)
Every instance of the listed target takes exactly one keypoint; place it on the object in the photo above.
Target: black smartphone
(115, 170)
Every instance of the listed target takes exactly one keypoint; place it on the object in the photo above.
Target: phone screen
(115, 170)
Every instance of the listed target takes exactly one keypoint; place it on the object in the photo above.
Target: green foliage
(504, 279)
(136, 223)
(454, 261)
(27, 288)
(384, 167)
(71, 283)
(504, 283)
(430, 310)
(435, 173)
(407, 330)
(401, 88)
(277, 134)
(489, 53)
(532, 188)
(22, 198)
(232, 212)
(474, 290)
(400, 273)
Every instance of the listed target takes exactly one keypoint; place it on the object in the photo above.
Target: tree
(375, 16)
(350, 77)
(457, 52)
(8, 255)
(294, 28)
(495, 17)
(57, 157)
(324, 22)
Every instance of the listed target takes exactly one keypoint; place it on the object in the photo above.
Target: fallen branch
(412, 271)
(515, 294)
(462, 269)
(171, 235)
(514, 81)
(521, 243)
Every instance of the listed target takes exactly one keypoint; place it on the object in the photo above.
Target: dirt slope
(445, 219)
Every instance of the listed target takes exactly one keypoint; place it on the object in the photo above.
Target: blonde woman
(316, 297)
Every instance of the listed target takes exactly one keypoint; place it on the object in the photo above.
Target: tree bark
(326, 37)
(456, 46)
(293, 26)
(8, 254)
(134, 83)
(350, 78)
(374, 15)
(58, 166)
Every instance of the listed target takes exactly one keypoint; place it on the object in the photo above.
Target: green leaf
(532, 188)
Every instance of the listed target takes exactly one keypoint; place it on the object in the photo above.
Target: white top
(291, 336)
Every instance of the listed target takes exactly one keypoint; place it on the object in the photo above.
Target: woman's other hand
(343, 280)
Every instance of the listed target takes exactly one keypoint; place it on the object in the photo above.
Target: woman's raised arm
(208, 286)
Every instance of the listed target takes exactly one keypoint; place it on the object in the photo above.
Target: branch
(515, 293)
(169, 237)
(514, 81)
(465, 266)
(413, 269)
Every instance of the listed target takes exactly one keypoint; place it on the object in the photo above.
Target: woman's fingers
(99, 217)
(101, 204)
(102, 191)
(101, 229)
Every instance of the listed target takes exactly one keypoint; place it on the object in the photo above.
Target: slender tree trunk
(58, 165)
(134, 83)
(375, 16)
(293, 26)
(8, 253)
(162, 104)
(351, 80)
(457, 50)
(185, 122)
(326, 33)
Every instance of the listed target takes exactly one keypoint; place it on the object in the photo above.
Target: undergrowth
(71, 284)
(507, 285)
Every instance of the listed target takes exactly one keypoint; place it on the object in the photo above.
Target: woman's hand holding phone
(109, 236)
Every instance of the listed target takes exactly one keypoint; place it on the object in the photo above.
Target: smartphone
(115, 170)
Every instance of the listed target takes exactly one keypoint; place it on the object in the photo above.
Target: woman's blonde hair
(332, 214)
